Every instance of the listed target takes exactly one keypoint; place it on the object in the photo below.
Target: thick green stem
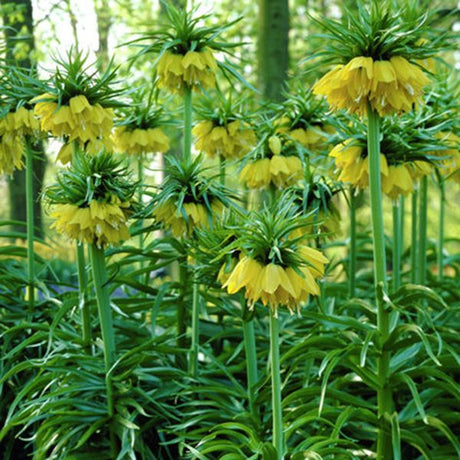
(422, 224)
(106, 322)
(82, 297)
(188, 111)
(352, 252)
(442, 209)
(251, 361)
(193, 364)
(414, 233)
(140, 178)
(276, 388)
(396, 246)
(222, 170)
(30, 228)
(384, 396)
(182, 313)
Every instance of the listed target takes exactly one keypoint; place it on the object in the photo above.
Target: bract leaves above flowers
(92, 200)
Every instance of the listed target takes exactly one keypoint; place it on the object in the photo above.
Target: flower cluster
(100, 223)
(389, 86)
(274, 266)
(281, 170)
(231, 140)
(78, 120)
(352, 164)
(195, 69)
(91, 201)
(182, 221)
(13, 127)
(136, 141)
(188, 199)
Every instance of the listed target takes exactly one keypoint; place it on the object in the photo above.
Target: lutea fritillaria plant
(280, 270)
(91, 204)
(377, 75)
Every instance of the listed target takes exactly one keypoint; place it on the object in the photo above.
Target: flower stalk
(276, 387)
(397, 244)
(442, 210)
(422, 224)
(82, 296)
(30, 227)
(193, 363)
(414, 233)
(352, 252)
(108, 336)
(384, 394)
(251, 361)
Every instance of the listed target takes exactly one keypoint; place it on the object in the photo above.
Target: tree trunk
(104, 22)
(20, 46)
(273, 53)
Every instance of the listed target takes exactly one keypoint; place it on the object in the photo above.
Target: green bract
(99, 177)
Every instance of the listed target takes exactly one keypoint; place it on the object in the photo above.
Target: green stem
(276, 388)
(414, 233)
(352, 252)
(30, 228)
(422, 223)
(100, 280)
(251, 361)
(396, 246)
(442, 209)
(82, 297)
(402, 217)
(140, 178)
(222, 170)
(182, 314)
(384, 396)
(188, 111)
(193, 364)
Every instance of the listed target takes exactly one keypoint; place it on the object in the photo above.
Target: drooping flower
(186, 49)
(276, 285)
(302, 118)
(91, 201)
(230, 140)
(274, 266)
(182, 221)
(12, 150)
(188, 199)
(99, 223)
(378, 58)
(137, 140)
(389, 86)
(78, 120)
(79, 106)
(352, 164)
(278, 165)
(195, 69)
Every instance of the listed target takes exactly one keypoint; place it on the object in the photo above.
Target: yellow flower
(232, 140)
(12, 149)
(195, 69)
(276, 285)
(196, 215)
(397, 179)
(100, 223)
(392, 86)
(79, 120)
(138, 140)
(279, 170)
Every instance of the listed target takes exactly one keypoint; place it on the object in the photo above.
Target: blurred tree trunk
(104, 22)
(272, 47)
(20, 45)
